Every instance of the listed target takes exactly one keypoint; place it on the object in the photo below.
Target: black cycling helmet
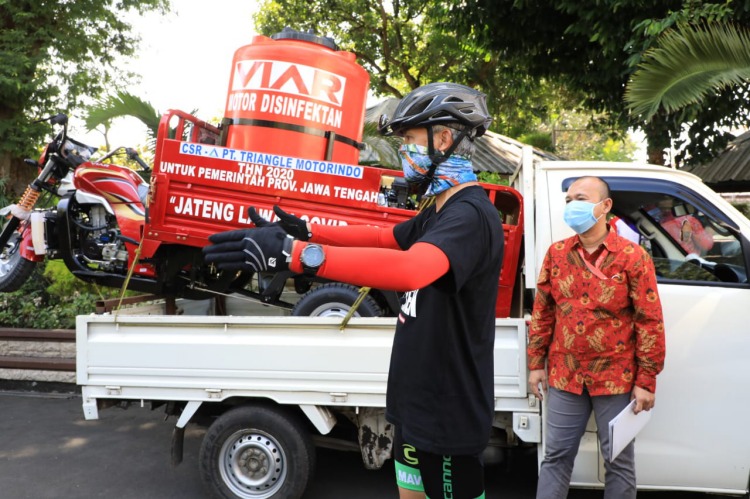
(439, 104)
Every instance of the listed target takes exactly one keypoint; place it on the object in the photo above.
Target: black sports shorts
(439, 477)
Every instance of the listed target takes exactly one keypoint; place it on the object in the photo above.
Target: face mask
(415, 163)
(579, 215)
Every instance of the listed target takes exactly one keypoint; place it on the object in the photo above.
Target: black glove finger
(235, 266)
(225, 247)
(230, 235)
(260, 249)
(256, 219)
(285, 217)
(230, 256)
(294, 226)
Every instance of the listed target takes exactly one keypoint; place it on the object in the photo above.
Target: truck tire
(254, 452)
(14, 269)
(335, 300)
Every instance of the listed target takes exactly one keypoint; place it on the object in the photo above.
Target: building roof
(730, 171)
(494, 152)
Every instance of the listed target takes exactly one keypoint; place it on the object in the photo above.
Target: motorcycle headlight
(75, 148)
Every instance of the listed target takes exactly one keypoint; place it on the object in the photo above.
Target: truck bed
(291, 360)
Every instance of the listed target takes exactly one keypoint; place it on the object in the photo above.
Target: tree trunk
(657, 137)
(17, 175)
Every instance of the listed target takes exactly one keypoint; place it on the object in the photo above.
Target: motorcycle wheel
(14, 269)
(335, 300)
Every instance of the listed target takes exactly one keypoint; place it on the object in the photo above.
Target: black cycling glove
(264, 249)
(294, 226)
(256, 219)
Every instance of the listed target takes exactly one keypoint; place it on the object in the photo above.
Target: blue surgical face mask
(579, 215)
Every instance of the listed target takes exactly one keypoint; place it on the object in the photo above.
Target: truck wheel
(14, 269)
(335, 300)
(255, 453)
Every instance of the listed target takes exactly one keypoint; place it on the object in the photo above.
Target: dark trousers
(567, 415)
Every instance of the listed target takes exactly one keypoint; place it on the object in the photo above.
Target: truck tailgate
(294, 360)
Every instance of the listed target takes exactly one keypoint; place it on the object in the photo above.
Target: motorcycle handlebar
(59, 119)
(56, 119)
(133, 155)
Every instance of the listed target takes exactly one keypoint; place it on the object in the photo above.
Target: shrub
(492, 178)
(540, 140)
(743, 208)
(50, 299)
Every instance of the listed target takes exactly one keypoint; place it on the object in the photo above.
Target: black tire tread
(18, 274)
(336, 292)
(282, 425)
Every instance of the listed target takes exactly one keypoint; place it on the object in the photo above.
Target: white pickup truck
(270, 388)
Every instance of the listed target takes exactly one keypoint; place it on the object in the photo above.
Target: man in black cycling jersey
(446, 260)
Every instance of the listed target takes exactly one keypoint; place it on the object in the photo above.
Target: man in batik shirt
(597, 327)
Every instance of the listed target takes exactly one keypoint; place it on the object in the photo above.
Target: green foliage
(61, 282)
(121, 104)
(612, 150)
(540, 140)
(688, 63)
(582, 136)
(54, 55)
(51, 298)
(408, 43)
(33, 306)
(386, 148)
(492, 178)
(743, 208)
(592, 47)
(4, 199)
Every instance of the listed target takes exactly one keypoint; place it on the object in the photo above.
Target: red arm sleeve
(354, 235)
(380, 268)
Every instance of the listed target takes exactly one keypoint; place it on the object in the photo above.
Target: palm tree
(123, 104)
(687, 64)
(384, 148)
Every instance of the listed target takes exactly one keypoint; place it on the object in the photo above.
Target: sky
(184, 60)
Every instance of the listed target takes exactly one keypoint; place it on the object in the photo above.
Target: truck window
(685, 243)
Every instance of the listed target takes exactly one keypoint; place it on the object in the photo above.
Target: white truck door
(697, 438)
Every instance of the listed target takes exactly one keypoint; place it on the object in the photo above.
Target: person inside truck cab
(446, 260)
(624, 228)
(683, 227)
(596, 339)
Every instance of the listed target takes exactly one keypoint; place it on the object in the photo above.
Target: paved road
(47, 450)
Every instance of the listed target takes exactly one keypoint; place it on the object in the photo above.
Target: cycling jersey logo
(447, 478)
(405, 479)
(409, 306)
(408, 450)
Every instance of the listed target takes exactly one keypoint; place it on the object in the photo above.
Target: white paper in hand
(624, 427)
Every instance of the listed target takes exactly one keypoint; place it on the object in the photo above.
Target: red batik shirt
(606, 334)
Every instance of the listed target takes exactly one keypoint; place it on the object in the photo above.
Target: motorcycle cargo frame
(199, 188)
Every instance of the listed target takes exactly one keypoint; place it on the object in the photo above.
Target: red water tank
(295, 94)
